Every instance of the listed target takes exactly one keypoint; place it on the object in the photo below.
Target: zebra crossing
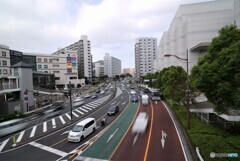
(51, 124)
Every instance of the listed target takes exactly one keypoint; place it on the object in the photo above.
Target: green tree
(217, 73)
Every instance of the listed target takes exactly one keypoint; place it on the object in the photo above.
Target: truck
(140, 124)
(145, 99)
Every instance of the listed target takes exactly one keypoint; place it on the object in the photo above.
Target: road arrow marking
(65, 132)
(111, 136)
(135, 139)
(164, 136)
(124, 103)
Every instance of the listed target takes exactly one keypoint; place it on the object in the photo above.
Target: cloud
(111, 25)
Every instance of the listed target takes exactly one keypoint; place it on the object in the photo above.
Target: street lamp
(188, 97)
(70, 93)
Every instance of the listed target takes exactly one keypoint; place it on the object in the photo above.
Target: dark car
(134, 98)
(113, 110)
(146, 90)
(59, 105)
(98, 91)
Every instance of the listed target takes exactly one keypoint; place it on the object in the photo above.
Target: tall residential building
(145, 52)
(98, 68)
(193, 28)
(83, 48)
(112, 66)
(4, 61)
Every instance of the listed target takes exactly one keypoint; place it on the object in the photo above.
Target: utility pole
(70, 93)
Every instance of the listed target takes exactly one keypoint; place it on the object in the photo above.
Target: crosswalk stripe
(87, 108)
(75, 114)
(83, 109)
(3, 144)
(33, 131)
(45, 126)
(68, 116)
(79, 111)
(53, 123)
(94, 104)
(91, 106)
(63, 122)
(20, 136)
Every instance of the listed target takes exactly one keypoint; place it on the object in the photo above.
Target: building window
(56, 71)
(39, 59)
(45, 71)
(69, 70)
(5, 71)
(0, 71)
(55, 65)
(45, 60)
(16, 72)
(57, 78)
(39, 66)
(50, 60)
(4, 62)
(45, 66)
(73, 77)
(4, 53)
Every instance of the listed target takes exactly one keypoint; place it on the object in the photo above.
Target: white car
(82, 130)
(102, 92)
(140, 124)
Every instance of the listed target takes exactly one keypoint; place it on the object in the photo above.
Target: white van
(82, 130)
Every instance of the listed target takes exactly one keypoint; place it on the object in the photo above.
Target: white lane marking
(49, 149)
(68, 116)
(33, 131)
(65, 132)
(53, 123)
(83, 109)
(113, 103)
(79, 112)
(86, 107)
(124, 103)
(75, 114)
(44, 126)
(63, 122)
(20, 136)
(94, 104)
(91, 106)
(111, 136)
(3, 144)
(164, 136)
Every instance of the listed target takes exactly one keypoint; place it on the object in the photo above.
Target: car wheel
(93, 130)
(82, 137)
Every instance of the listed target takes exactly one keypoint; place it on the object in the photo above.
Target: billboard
(72, 62)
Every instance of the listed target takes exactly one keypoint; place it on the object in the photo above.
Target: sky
(112, 26)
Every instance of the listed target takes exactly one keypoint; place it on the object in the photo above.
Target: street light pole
(187, 82)
(70, 92)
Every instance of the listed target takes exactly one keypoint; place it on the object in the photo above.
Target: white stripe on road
(63, 122)
(44, 126)
(75, 114)
(49, 149)
(83, 109)
(20, 136)
(68, 116)
(91, 106)
(79, 112)
(87, 108)
(53, 123)
(3, 144)
(33, 131)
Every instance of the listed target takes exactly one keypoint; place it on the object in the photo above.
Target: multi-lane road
(48, 139)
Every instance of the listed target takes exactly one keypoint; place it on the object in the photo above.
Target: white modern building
(83, 48)
(112, 66)
(64, 66)
(145, 53)
(98, 68)
(192, 30)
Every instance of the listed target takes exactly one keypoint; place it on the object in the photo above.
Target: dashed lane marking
(53, 123)
(68, 116)
(86, 107)
(83, 109)
(75, 114)
(3, 144)
(20, 136)
(79, 112)
(45, 126)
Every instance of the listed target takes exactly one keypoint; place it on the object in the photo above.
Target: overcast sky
(43, 26)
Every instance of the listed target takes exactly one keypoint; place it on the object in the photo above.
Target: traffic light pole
(70, 92)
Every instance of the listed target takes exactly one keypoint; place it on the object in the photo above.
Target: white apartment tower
(145, 53)
(83, 48)
(193, 28)
(98, 68)
(112, 66)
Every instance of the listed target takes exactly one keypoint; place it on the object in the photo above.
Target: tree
(217, 74)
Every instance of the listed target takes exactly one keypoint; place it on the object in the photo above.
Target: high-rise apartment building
(112, 66)
(145, 52)
(83, 48)
(193, 28)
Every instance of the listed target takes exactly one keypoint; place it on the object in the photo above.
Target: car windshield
(77, 128)
(112, 109)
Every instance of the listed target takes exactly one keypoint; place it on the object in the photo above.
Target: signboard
(15, 53)
(72, 63)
